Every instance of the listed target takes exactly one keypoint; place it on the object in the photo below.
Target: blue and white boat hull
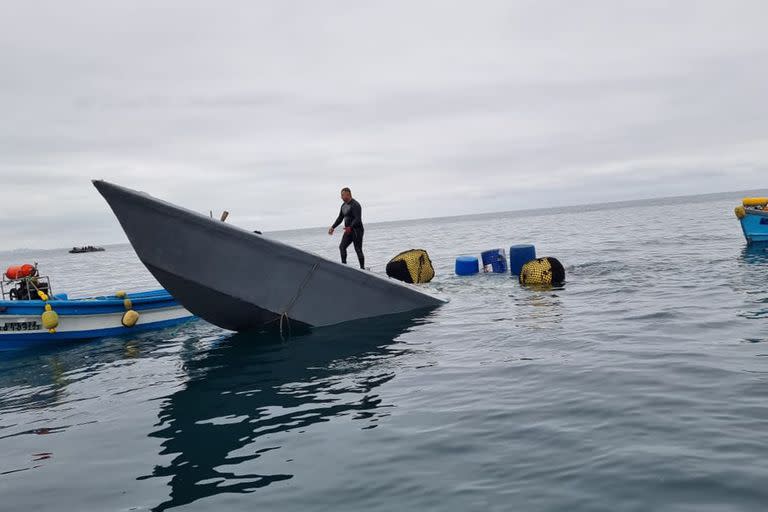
(21, 320)
(754, 224)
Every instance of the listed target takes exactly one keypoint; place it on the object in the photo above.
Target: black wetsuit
(352, 215)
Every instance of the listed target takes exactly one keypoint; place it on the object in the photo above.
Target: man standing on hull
(352, 214)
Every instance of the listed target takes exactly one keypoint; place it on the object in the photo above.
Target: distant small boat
(753, 216)
(87, 248)
(240, 281)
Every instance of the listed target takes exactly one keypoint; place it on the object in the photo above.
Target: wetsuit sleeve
(338, 219)
(357, 215)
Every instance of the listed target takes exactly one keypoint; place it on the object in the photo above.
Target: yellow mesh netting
(418, 264)
(542, 272)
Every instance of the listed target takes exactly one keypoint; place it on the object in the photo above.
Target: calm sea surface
(641, 385)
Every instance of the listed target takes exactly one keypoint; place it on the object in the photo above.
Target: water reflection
(537, 309)
(252, 386)
(38, 378)
(751, 282)
(755, 254)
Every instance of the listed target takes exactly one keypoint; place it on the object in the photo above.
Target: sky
(424, 108)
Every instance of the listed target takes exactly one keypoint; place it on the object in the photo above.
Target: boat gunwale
(758, 213)
(70, 307)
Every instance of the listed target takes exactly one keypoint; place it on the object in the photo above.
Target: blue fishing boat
(753, 216)
(30, 314)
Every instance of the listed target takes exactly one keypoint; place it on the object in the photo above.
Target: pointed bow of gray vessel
(241, 281)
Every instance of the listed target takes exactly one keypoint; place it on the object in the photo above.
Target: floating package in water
(494, 260)
(467, 265)
(542, 272)
(519, 255)
(412, 266)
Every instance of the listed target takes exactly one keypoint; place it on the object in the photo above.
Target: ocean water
(641, 385)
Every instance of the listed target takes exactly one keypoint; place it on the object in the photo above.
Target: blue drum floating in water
(467, 265)
(495, 260)
(519, 255)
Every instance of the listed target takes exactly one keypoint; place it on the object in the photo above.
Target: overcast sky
(267, 109)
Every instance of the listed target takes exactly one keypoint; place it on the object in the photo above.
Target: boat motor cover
(412, 266)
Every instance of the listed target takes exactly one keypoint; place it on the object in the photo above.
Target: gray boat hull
(242, 281)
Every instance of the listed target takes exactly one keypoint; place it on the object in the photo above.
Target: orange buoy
(20, 271)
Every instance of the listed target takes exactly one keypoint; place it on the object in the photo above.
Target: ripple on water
(640, 385)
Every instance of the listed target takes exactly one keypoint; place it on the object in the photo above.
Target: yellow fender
(50, 319)
(740, 212)
(130, 318)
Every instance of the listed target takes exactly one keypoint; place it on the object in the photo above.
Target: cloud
(424, 109)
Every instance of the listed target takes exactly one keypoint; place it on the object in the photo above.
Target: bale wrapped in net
(412, 266)
(542, 272)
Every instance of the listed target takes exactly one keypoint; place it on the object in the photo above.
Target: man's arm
(338, 219)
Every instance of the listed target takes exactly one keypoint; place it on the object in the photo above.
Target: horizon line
(627, 202)
(622, 202)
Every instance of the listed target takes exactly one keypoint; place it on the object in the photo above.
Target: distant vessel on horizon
(87, 248)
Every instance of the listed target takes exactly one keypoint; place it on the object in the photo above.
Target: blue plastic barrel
(519, 255)
(494, 260)
(467, 265)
